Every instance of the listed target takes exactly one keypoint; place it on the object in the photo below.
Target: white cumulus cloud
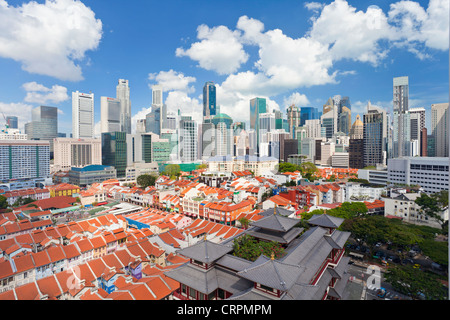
(49, 38)
(173, 80)
(219, 50)
(38, 93)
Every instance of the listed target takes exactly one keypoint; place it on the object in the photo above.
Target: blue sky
(287, 51)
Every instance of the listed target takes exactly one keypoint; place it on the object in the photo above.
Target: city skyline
(285, 51)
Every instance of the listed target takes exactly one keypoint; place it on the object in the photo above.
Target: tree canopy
(172, 170)
(146, 180)
(307, 169)
(415, 282)
(432, 205)
(3, 202)
(249, 248)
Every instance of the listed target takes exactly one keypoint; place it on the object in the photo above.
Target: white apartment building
(24, 159)
(430, 173)
(13, 134)
(72, 152)
(403, 206)
(340, 160)
(82, 115)
(353, 191)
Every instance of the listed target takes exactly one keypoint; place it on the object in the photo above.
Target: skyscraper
(114, 151)
(123, 95)
(209, 100)
(356, 145)
(12, 122)
(157, 95)
(401, 106)
(188, 139)
(43, 125)
(82, 115)
(439, 129)
(308, 113)
(110, 112)
(374, 136)
(293, 118)
(257, 106)
(417, 118)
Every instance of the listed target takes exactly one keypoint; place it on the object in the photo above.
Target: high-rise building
(153, 120)
(82, 115)
(308, 113)
(24, 159)
(345, 120)
(188, 139)
(73, 152)
(223, 134)
(329, 120)
(356, 145)
(12, 122)
(293, 118)
(110, 112)
(375, 136)
(401, 106)
(439, 129)
(114, 151)
(123, 95)
(209, 100)
(157, 95)
(423, 142)
(140, 126)
(417, 118)
(257, 106)
(43, 125)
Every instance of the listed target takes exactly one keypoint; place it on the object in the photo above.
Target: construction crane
(6, 121)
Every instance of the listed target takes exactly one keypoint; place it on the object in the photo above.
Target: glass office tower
(12, 122)
(114, 151)
(209, 99)
(257, 106)
(44, 125)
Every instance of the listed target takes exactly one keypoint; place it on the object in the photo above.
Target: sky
(289, 52)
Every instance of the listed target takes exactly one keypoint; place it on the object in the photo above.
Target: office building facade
(374, 136)
(44, 125)
(123, 95)
(110, 109)
(82, 115)
(72, 152)
(209, 100)
(401, 107)
(429, 173)
(257, 106)
(439, 129)
(114, 151)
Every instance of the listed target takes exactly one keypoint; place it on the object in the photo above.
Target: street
(365, 281)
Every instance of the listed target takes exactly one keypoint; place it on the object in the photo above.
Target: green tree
(249, 248)
(244, 222)
(431, 206)
(146, 180)
(286, 167)
(414, 282)
(308, 170)
(172, 170)
(3, 202)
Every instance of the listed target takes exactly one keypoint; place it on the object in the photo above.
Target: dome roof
(358, 122)
(222, 116)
